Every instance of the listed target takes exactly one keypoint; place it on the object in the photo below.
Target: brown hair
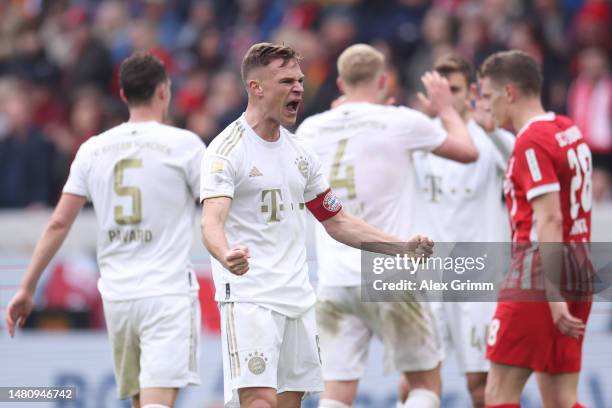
(516, 67)
(451, 64)
(261, 54)
(360, 63)
(139, 76)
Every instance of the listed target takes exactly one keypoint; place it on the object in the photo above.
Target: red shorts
(523, 334)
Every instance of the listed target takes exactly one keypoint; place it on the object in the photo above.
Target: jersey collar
(252, 134)
(545, 117)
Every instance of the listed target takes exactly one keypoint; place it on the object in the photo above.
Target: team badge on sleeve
(331, 202)
(325, 205)
(217, 166)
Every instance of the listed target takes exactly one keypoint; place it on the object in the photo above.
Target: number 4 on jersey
(335, 179)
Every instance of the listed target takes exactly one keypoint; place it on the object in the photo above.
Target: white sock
(327, 403)
(155, 406)
(422, 398)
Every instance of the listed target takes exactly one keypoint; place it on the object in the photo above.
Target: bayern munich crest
(257, 363)
(302, 165)
(331, 202)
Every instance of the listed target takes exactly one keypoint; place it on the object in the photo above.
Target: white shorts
(155, 342)
(346, 325)
(263, 348)
(463, 326)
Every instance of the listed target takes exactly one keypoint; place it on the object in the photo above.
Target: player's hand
(420, 246)
(424, 105)
(18, 310)
(439, 96)
(565, 322)
(237, 260)
(480, 114)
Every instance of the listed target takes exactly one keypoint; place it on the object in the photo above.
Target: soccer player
(548, 193)
(142, 178)
(365, 148)
(451, 196)
(258, 180)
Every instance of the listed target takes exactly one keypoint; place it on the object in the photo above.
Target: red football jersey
(549, 155)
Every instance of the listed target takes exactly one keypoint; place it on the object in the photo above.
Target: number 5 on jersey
(127, 191)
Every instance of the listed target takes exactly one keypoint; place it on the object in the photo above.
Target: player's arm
(353, 231)
(217, 177)
(458, 145)
(549, 224)
(214, 215)
(53, 236)
(502, 140)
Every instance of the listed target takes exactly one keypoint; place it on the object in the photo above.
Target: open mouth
(293, 106)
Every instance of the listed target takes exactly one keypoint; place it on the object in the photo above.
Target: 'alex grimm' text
(433, 286)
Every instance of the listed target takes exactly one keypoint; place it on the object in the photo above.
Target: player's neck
(527, 110)
(266, 128)
(369, 95)
(145, 114)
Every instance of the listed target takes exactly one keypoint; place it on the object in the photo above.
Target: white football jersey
(365, 150)
(459, 202)
(270, 184)
(143, 179)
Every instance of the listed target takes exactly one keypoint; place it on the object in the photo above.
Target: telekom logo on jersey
(272, 204)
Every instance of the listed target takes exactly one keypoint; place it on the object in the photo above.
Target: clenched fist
(237, 260)
(420, 246)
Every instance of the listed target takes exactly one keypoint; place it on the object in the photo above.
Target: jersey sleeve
(77, 179)
(504, 144)
(534, 168)
(193, 167)
(217, 176)
(413, 130)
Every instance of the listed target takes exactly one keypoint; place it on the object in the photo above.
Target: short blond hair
(360, 63)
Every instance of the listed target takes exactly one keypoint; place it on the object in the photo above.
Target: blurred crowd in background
(59, 61)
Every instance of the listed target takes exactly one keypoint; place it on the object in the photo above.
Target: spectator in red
(590, 106)
(592, 25)
(191, 96)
